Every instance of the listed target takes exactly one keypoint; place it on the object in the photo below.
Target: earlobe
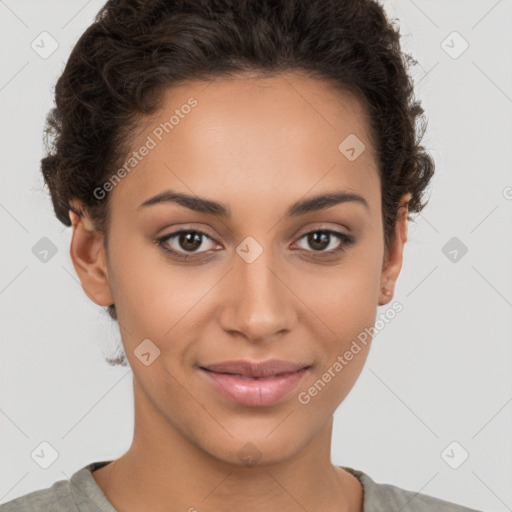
(87, 253)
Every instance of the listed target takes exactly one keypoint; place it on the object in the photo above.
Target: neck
(164, 469)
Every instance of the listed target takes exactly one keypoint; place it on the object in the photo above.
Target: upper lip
(255, 369)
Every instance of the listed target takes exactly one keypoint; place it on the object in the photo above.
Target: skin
(257, 145)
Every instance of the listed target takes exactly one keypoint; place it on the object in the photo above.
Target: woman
(238, 176)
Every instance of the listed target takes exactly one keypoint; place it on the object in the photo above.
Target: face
(265, 274)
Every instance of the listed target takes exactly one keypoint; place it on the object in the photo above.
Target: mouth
(255, 384)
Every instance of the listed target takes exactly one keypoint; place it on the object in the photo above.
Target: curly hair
(135, 49)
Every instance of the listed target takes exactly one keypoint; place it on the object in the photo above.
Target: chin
(251, 447)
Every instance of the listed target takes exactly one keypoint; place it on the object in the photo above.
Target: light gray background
(439, 372)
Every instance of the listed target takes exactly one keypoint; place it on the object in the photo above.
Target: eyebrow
(301, 207)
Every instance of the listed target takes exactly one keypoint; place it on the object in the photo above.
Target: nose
(257, 303)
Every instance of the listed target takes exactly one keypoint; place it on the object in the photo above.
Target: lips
(252, 383)
(269, 368)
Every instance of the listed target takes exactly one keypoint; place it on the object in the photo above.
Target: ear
(394, 257)
(89, 257)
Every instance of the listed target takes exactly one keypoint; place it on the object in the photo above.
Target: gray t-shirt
(82, 494)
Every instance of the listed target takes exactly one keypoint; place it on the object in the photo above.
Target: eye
(321, 239)
(186, 243)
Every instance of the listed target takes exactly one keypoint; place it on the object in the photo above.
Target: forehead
(247, 134)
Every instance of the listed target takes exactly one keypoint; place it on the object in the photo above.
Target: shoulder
(80, 493)
(57, 498)
(384, 497)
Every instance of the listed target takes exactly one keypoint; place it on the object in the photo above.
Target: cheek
(151, 293)
(347, 304)
(348, 311)
(346, 298)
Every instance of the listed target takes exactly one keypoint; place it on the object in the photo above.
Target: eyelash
(346, 240)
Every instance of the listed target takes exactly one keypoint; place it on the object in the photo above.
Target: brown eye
(190, 241)
(318, 240)
(321, 239)
(185, 243)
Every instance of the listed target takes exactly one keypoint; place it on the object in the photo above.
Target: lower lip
(255, 392)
